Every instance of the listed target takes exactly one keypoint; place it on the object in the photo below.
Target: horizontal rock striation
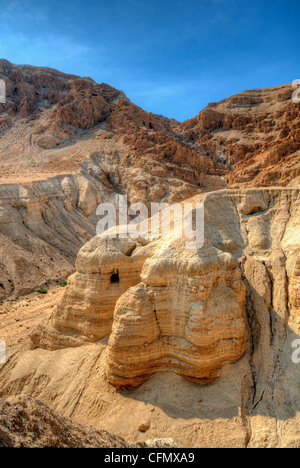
(106, 269)
(226, 313)
(185, 310)
(186, 317)
(255, 135)
(66, 145)
(73, 143)
(42, 227)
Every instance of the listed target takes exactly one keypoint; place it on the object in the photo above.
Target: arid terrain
(19, 316)
(189, 345)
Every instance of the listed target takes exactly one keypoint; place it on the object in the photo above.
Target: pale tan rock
(182, 312)
(41, 231)
(255, 401)
(177, 321)
(295, 286)
(68, 144)
(86, 312)
(160, 443)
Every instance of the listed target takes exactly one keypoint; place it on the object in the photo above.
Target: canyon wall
(140, 314)
(224, 316)
(185, 310)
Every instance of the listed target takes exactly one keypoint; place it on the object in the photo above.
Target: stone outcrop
(66, 145)
(106, 269)
(63, 124)
(177, 309)
(170, 321)
(226, 313)
(174, 321)
(28, 423)
(140, 314)
(42, 227)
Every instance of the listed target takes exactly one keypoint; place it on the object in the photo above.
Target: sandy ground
(19, 317)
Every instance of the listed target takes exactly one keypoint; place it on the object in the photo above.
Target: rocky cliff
(255, 134)
(224, 316)
(192, 343)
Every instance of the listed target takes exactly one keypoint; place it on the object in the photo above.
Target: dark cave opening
(115, 277)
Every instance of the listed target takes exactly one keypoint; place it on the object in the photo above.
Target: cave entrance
(115, 277)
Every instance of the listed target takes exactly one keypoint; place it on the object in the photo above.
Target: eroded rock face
(177, 309)
(105, 271)
(185, 310)
(67, 124)
(42, 227)
(295, 285)
(68, 143)
(136, 309)
(255, 134)
(186, 316)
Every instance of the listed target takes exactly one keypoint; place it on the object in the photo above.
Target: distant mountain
(58, 124)
(256, 134)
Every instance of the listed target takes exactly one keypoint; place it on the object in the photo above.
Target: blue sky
(171, 57)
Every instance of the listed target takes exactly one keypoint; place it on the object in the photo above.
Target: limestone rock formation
(178, 309)
(140, 314)
(105, 270)
(66, 124)
(66, 145)
(186, 316)
(188, 312)
(42, 227)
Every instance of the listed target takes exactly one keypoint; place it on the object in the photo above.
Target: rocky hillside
(117, 354)
(68, 144)
(59, 124)
(28, 423)
(255, 134)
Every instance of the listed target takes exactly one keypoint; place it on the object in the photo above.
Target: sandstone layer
(234, 301)
(177, 308)
(140, 314)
